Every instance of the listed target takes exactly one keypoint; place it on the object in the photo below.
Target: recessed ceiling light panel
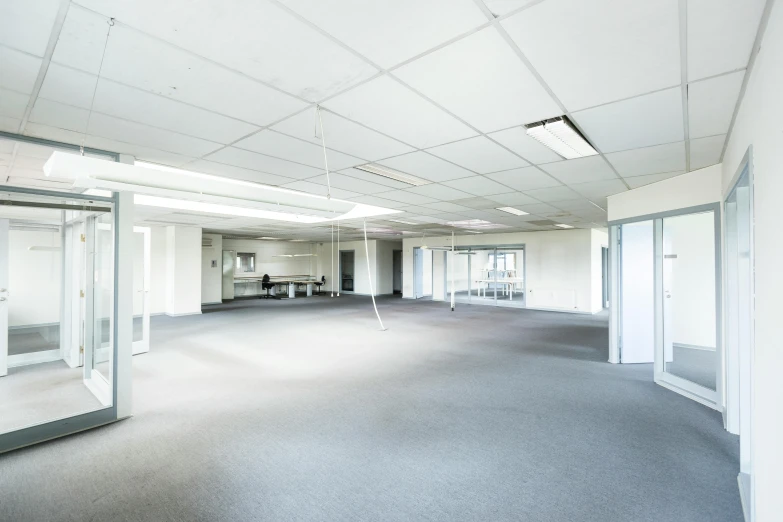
(563, 225)
(512, 210)
(386, 172)
(560, 135)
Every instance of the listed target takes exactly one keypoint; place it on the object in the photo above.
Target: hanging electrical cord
(95, 89)
(452, 270)
(369, 276)
(332, 258)
(338, 255)
(323, 144)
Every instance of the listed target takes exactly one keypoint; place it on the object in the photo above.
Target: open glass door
(141, 290)
(687, 353)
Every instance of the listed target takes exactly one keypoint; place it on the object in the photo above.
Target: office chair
(320, 283)
(267, 285)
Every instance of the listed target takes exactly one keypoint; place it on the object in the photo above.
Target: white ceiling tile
(552, 194)
(27, 24)
(13, 104)
(139, 134)
(187, 78)
(9, 124)
(342, 135)
(439, 192)
(391, 32)
(536, 209)
(477, 186)
(573, 205)
(649, 160)
(82, 40)
(706, 151)
(644, 121)
(600, 51)
(251, 160)
(426, 166)
(711, 104)
(517, 140)
(580, 170)
(234, 172)
(502, 7)
(600, 189)
(388, 107)
(720, 35)
(281, 146)
(640, 181)
(68, 86)
(524, 179)
(138, 151)
(403, 196)
(477, 203)
(446, 206)
(479, 155)
(374, 178)
(378, 202)
(359, 186)
(256, 38)
(315, 188)
(481, 80)
(512, 198)
(18, 71)
(132, 104)
(56, 114)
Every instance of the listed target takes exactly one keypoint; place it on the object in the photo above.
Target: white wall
(183, 270)
(33, 278)
(558, 265)
(212, 277)
(361, 283)
(599, 238)
(760, 123)
(385, 266)
(637, 310)
(158, 268)
(695, 188)
(268, 263)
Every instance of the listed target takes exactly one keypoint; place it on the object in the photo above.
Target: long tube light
(561, 136)
(396, 175)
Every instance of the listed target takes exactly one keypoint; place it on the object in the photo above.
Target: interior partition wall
(665, 299)
(65, 288)
(489, 275)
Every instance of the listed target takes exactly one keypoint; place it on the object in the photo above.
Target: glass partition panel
(510, 273)
(102, 291)
(138, 286)
(689, 311)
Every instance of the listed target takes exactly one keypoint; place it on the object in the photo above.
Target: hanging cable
(369, 275)
(95, 89)
(452, 270)
(323, 144)
(332, 258)
(338, 255)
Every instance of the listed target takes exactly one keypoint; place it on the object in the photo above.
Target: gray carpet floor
(302, 410)
(694, 365)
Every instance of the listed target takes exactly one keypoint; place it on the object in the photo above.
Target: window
(246, 262)
(505, 261)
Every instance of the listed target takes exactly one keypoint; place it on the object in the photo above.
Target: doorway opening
(346, 270)
(422, 273)
(397, 272)
(490, 275)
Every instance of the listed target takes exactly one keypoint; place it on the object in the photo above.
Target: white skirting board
(183, 315)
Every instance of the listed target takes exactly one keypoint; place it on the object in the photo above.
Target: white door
(141, 289)
(3, 297)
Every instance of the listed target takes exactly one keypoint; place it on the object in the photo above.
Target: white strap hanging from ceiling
(338, 256)
(451, 266)
(323, 144)
(95, 89)
(332, 258)
(369, 276)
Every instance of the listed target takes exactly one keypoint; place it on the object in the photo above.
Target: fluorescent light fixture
(403, 222)
(560, 135)
(44, 249)
(474, 224)
(224, 210)
(269, 238)
(386, 172)
(563, 225)
(295, 255)
(299, 240)
(512, 210)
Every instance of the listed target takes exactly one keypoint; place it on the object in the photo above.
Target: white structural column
(183, 266)
(123, 300)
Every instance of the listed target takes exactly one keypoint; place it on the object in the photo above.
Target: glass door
(687, 351)
(141, 290)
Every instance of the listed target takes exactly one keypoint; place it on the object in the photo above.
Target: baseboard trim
(183, 315)
(212, 303)
(694, 347)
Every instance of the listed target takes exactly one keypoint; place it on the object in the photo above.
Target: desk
(251, 285)
(508, 284)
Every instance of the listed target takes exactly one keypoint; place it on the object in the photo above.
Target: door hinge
(81, 293)
(82, 238)
(81, 349)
